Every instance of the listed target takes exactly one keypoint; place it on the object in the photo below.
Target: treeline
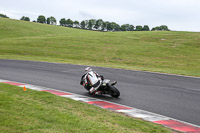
(3, 16)
(101, 25)
(93, 24)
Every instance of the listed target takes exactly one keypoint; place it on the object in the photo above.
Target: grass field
(166, 52)
(42, 112)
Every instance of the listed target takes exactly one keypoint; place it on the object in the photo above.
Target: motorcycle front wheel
(114, 92)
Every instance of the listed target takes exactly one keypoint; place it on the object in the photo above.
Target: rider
(91, 81)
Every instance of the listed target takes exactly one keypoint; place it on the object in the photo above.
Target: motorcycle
(106, 88)
(109, 88)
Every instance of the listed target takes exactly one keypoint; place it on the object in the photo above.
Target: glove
(102, 78)
(81, 83)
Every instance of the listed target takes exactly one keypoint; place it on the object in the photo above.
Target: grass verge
(34, 111)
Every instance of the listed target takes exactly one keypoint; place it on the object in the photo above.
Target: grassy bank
(34, 111)
(167, 52)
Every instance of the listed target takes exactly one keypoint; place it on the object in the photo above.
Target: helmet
(88, 69)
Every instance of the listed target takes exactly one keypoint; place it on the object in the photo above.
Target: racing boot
(98, 93)
(114, 82)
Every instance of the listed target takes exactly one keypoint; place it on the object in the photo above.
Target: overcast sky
(180, 15)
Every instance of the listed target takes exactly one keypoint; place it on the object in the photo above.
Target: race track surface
(173, 96)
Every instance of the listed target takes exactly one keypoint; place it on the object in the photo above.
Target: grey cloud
(86, 15)
(177, 14)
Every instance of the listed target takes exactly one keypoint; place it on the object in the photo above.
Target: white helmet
(88, 69)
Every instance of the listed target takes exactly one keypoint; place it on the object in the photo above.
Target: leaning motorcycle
(107, 87)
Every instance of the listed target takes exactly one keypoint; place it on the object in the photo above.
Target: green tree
(138, 28)
(69, 23)
(91, 24)
(116, 27)
(51, 20)
(112, 26)
(76, 24)
(3, 16)
(131, 28)
(145, 28)
(22, 18)
(127, 27)
(99, 24)
(109, 26)
(62, 22)
(156, 28)
(41, 19)
(83, 24)
(48, 20)
(104, 26)
(86, 24)
(162, 27)
(123, 27)
(25, 18)
(153, 29)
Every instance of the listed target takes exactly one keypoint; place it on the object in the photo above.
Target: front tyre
(114, 92)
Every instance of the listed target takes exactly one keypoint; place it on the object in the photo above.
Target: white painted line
(69, 96)
(139, 111)
(126, 111)
(137, 115)
(33, 87)
(148, 116)
(1, 80)
(152, 119)
(80, 98)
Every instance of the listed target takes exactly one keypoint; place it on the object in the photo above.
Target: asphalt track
(173, 96)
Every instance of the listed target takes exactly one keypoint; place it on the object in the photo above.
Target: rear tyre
(114, 92)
